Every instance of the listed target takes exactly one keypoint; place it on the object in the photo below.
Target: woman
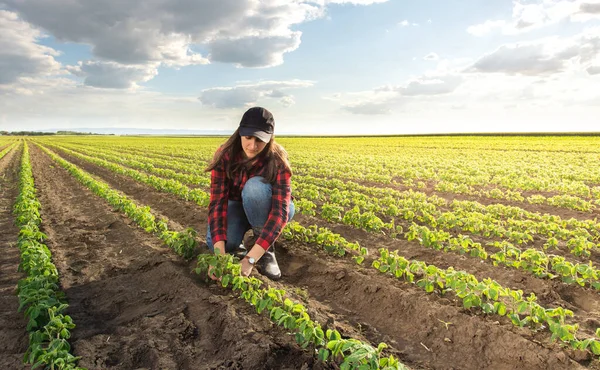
(250, 189)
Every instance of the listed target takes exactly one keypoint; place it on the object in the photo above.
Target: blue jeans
(251, 212)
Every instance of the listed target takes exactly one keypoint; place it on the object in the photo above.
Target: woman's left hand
(246, 267)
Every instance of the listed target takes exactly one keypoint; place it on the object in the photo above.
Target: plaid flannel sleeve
(217, 208)
(278, 216)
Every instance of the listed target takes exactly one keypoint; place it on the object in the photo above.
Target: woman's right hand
(219, 248)
(211, 275)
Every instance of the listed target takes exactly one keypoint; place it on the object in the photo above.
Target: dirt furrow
(383, 309)
(13, 335)
(134, 303)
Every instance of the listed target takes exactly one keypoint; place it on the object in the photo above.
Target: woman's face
(252, 146)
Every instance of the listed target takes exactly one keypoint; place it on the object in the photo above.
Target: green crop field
(474, 252)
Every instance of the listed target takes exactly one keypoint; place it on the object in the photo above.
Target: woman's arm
(217, 208)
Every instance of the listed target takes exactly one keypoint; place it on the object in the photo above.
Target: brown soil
(13, 335)
(137, 305)
(398, 313)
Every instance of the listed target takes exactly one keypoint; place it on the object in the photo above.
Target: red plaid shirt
(222, 190)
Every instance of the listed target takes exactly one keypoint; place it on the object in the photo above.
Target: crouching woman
(250, 189)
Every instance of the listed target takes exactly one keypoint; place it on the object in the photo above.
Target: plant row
(329, 345)
(6, 150)
(199, 196)
(182, 242)
(348, 353)
(517, 231)
(39, 293)
(183, 165)
(532, 260)
(412, 207)
(459, 187)
(144, 164)
(517, 225)
(409, 160)
(486, 295)
(537, 262)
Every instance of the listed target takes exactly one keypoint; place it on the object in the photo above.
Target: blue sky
(321, 67)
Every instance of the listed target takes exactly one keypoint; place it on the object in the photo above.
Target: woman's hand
(255, 252)
(211, 275)
(219, 248)
(246, 267)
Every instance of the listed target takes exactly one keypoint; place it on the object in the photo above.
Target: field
(456, 252)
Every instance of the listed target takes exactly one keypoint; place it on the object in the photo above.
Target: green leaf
(595, 347)
(522, 307)
(500, 308)
(225, 280)
(323, 354)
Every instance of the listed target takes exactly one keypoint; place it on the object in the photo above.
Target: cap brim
(261, 135)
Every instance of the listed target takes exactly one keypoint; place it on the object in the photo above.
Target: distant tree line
(25, 133)
(39, 133)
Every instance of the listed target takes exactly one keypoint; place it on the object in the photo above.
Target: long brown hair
(273, 154)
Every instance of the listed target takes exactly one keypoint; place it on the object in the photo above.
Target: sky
(320, 66)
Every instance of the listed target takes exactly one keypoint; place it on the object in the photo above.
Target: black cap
(259, 122)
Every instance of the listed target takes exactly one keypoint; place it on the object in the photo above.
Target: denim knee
(257, 191)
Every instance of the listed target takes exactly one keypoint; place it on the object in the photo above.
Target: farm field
(456, 252)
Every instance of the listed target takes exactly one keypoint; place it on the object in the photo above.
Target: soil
(424, 330)
(137, 305)
(13, 334)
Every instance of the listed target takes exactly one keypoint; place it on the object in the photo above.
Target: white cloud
(246, 94)
(530, 16)
(243, 32)
(543, 57)
(254, 51)
(384, 99)
(404, 23)
(20, 55)
(485, 27)
(431, 85)
(545, 73)
(113, 75)
(431, 56)
(369, 108)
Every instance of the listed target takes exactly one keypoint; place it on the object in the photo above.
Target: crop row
(554, 318)
(138, 162)
(487, 295)
(456, 186)
(518, 231)
(348, 353)
(39, 293)
(488, 221)
(472, 216)
(466, 216)
(172, 186)
(544, 316)
(410, 168)
(6, 150)
(532, 260)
